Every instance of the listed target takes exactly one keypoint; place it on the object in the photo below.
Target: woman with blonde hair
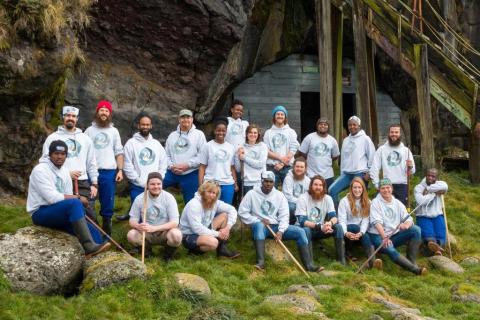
(354, 217)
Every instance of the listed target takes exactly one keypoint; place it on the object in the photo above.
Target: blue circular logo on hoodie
(389, 214)
(146, 157)
(394, 159)
(349, 148)
(267, 208)
(74, 148)
(278, 141)
(298, 189)
(315, 214)
(321, 150)
(59, 185)
(221, 155)
(235, 129)
(181, 145)
(101, 140)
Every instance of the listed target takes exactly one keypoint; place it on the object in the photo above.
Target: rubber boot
(408, 265)
(80, 228)
(107, 225)
(168, 253)
(412, 250)
(369, 252)
(340, 249)
(222, 251)
(307, 259)
(260, 251)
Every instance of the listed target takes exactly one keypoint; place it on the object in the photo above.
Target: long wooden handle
(144, 219)
(446, 226)
(75, 186)
(287, 251)
(106, 235)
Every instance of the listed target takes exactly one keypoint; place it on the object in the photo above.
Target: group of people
(282, 188)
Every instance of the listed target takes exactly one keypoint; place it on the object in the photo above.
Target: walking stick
(144, 219)
(242, 175)
(408, 184)
(287, 251)
(446, 225)
(388, 237)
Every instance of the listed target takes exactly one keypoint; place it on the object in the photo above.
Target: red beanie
(104, 104)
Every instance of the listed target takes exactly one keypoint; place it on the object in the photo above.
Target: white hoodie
(218, 159)
(256, 206)
(184, 147)
(47, 185)
(314, 211)
(431, 204)
(292, 189)
(282, 141)
(254, 164)
(320, 151)
(236, 131)
(143, 156)
(388, 214)
(107, 144)
(160, 210)
(345, 216)
(391, 160)
(197, 220)
(81, 155)
(357, 153)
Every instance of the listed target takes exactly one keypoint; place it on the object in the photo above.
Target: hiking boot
(168, 253)
(107, 225)
(340, 250)
(260, 252)
(222, 251)
(307, 259)
(377, 264)
(80, 228)
(435, 248)
(124, 217)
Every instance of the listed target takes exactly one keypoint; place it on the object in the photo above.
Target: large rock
(194, 283)
(41, 261)
(111, 267)
(302, 301)
(445, 264)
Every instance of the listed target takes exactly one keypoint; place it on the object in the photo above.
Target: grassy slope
(238, 290)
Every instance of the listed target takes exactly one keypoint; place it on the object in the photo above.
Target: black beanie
(57, 145)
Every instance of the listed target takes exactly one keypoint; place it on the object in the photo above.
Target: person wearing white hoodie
(266, 206)
(391, 227)
(207, 221)
(109, 157)
(282, 145)
(236, 130)
(253, 155)
(395, 161)
(52, 204)
(356, 158)
(81, 161)
(182, 147)
(295, 184)
(430, 216)
(143, 154)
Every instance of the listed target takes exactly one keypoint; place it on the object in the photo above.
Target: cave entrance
(348, 108)
(309, 112)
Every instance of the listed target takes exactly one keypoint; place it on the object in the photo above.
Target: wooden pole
(372, 88)
(144, 219)
(424, 105)
(361, 67)
(106, 235)
(325, 65)
(287, 251)
(337, 22)
(446, 226)
(474, 150)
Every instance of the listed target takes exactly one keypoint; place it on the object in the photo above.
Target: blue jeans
(106, 191)
(260, 232)
(279, 175)
(342, 183)
(364, 240)
(433, 229)
(226, 194)
(188, 183)
(400, 192)
(398, 239)
(61, 215)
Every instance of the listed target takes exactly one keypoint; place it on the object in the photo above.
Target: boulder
(445, 264)
(194, 283)
(111, 267)
(41, 261)
(295, 300)
(306, 289)
(470, 261)
(465, 292)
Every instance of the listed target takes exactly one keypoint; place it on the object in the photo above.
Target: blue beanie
(279, 108)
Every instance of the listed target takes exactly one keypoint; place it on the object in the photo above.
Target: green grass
(238, 290)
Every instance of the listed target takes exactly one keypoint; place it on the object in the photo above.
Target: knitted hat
(57, 145)
(385, 182)
(104, 104)
(268, 175)
(279, 108)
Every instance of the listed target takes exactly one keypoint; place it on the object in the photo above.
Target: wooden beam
(325, 68)
(372, 87)
(361, 68)
(337, 28)
(424, 106)
(474, 150)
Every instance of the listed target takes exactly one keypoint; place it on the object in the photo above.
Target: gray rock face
(470, 261)
(445, 264)
(305, 302)
(193, 283)
(41, 261)
(111, 267)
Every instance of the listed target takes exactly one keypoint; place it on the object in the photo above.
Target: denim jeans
(398, 239)
(260, 232)
(188, 183)
(279, 175)
(342, 183)
(106, 191)
(400, 192)
(364, 240)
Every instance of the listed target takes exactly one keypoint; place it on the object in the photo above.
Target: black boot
(107, 225)
(80, 228)
(124, 217)
(222, 251)
(307, 259)
(260, 251)
(412, 250)
(340, 249)
(408, 265)
(369, 252)
(168, 253)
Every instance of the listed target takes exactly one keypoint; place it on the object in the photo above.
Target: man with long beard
(109, 156)
(295, 184)
(396, 162)
(143, 154)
